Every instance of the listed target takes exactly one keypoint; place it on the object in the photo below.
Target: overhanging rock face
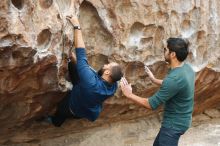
(33, 35)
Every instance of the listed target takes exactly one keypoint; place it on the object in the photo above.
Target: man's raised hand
(150, 74)
(125, 87)
(73, 20)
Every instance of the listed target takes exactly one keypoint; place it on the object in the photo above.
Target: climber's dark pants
(74, 77)
(63, 112)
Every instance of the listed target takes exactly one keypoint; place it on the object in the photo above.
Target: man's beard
(100, 71)
(167, 59)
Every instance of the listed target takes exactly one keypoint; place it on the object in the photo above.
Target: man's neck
(106, 79)
(175, 64)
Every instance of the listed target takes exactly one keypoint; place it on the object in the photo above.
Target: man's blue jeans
(167, 137)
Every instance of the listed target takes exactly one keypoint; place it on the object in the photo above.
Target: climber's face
(166, 54)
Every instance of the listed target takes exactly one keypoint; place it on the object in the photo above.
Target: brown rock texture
(33, 35)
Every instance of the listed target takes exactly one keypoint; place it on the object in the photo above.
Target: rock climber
(90, 88)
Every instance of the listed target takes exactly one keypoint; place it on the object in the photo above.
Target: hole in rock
(136, 33)
(18, 3)
(158, 44)
(149, 30)
(100, 39)
(186, 25)
(45, 3)
(44, 37)
(146, 42)
(16, 54)
(137, 27)
(58, 16)
(201, 35)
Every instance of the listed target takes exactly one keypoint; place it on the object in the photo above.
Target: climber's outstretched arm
(86, 75)
(78, 39)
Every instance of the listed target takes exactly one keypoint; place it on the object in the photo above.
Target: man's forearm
(78, 39)
(139, 100)
(157, 81)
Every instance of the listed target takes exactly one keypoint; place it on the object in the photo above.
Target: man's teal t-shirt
(177, 95)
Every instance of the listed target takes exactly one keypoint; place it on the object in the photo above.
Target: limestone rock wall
(33, 35)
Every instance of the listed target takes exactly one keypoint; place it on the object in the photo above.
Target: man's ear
(107, 72)
(173, 54)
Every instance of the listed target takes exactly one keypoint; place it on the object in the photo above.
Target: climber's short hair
(116, 73)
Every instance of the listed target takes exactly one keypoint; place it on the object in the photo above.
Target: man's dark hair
(179, 46)
(116, 73)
